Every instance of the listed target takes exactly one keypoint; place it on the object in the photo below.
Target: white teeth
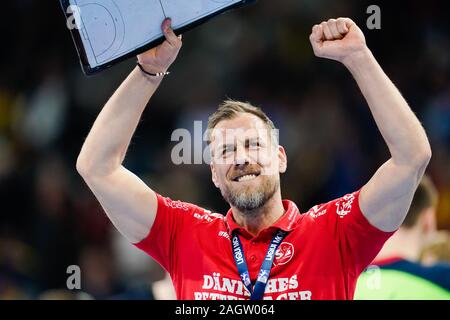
(246, 177)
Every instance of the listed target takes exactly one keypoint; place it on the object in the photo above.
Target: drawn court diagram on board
(113, 28)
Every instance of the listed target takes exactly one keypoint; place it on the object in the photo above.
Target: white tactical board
(111, 29)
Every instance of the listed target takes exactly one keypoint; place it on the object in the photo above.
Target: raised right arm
(129, 203)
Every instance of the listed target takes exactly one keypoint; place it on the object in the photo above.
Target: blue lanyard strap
(257, 291)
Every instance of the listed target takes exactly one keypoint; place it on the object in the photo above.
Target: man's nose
(241, 156)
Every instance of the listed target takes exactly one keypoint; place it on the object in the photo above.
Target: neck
(405, 243)
(261, 218)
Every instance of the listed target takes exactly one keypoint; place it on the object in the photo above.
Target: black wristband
(158, 74)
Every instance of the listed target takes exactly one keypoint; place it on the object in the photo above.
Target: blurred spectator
(98, 276)
(54, 226)
(137, 270)
(396, 272)
(62, 294)
(17, 269)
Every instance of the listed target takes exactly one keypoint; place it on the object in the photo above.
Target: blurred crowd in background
(50, 220)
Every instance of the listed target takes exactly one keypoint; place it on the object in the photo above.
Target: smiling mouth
(246, 177)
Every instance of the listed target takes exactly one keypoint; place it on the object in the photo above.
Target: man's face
(246, 162)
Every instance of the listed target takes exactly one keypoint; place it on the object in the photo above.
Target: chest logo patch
(284, 253)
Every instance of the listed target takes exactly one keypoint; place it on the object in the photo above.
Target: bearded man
(263, 248)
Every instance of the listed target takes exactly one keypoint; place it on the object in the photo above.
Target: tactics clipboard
(106, 32)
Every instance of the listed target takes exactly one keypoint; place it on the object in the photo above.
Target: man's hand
(337, 39)
(159, 58)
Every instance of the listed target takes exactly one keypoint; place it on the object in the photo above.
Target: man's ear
(428, 220)
(282, 167)
(214, 175)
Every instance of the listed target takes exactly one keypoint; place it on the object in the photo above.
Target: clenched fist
(337, 39)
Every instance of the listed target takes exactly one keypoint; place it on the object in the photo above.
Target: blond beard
(250, 201)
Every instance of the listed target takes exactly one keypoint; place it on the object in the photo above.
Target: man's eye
(227, 150)
(255, 144)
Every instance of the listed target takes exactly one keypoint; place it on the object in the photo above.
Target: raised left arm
(386, 198)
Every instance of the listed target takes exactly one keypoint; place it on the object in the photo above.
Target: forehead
(244, 125)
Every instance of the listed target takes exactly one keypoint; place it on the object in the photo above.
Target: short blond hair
(438, 248)
(425, 196)
(230, 109)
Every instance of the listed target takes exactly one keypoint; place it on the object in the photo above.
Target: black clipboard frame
(88, 70)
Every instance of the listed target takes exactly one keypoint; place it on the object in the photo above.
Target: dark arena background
(51, 225)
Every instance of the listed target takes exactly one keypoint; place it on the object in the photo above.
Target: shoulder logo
(316, 212)
(215, 214)
(344, 205)
(176, 204)
(208, 216)
(202, 217)
(284, 253)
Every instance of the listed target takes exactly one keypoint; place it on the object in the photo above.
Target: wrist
(151, 69)
(357, 59)
(151, 80)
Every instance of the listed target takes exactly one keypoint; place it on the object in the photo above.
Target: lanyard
(257, 291)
